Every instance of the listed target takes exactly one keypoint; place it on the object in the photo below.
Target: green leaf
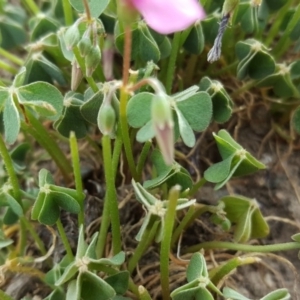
(242, 232)
(96, 7)
(42, 92)
(163, 43)
(195, 42)
(13, 204)
(296, 237)
(70, 271)
(185, 294)
(72, 120)
(145, 133)
(95, 288)
(38, 205)
(64, 201)
(229, 293)
(195, 267)
(39, 68)
(197, 110)
(235, 206)
(11, 120)
(45, 178)
(19, 78)
(50, 211)
(203, 294)
(280, 294)
(91, 106)
(119, 282)
(139, 109)
(259, 226)
(12, 33)
(219, 171)
(185, 130)
(43, 24)
(4, 97)
(74, 290)
(10, 217)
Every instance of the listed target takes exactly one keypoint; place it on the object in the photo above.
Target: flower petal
(168, 16)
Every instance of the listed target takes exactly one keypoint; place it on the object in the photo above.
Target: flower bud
(106, 119)
(163, 126)
(92, 60)
(72, 36)
(76, 76)
(85, 46)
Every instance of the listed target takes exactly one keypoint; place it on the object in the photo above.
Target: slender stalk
(117, 151)
(104, 225)
(198, 185)
(11, 57)
(22, 240)
(142, 159)
(172, 62)
(166, 241)
(111, 199)
(10, 171)
(274, 30)
(8, 68)
(68, 13)
(77, 175)
(284, 41)
(38, 131)
(183, 224)
(123, 103)
(87, 9)
(243, 247)
(65, 240)
(34, 235)
(34, 9)
(144, 244)
(81, 64)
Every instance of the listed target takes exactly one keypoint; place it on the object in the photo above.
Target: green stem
(10, 171)
(166, 241)
(8, 68)
(23, 238)
(11, 57)
(274, 30)
(125, 133)
(31, 6)
(144, 244)
(111, 199)
(198, 185)
(144, 294)
(104, 225)
(65, 240)
(243, 247)
(284, 41)
(77, 175)
(68, 13)
(142, 159)
(183, 224)
(172, 62)
(81, 64)
(38, 131)
(117, 151)
(34, 235)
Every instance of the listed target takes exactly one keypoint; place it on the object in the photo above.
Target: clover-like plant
(199, 285)
(155, 207)
(81, 274)
(236, 161)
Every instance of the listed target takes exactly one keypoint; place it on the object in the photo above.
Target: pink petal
(168, 16)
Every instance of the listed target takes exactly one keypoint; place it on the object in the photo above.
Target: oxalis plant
(136, 81)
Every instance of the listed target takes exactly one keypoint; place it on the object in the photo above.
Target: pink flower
(168, 16)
